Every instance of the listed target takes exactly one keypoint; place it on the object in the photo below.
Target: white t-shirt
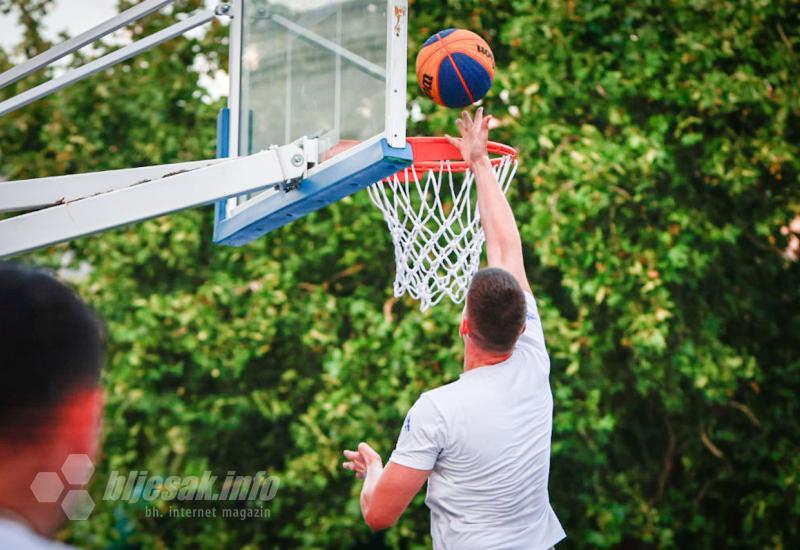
(18, 536)
(486, 438)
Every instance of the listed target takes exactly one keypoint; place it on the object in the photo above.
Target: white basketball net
(435, 227)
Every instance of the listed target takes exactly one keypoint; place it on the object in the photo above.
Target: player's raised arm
(503, 243)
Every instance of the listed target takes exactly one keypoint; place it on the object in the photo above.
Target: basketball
(455, 67)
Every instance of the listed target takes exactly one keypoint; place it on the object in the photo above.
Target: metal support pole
(76, 43)
(104, 62)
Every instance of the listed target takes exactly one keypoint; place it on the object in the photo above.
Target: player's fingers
(466, 119)
(486, 120)
(367, 452)
(353, 456)
(453, 141)
(479, 117)
(358, 464)
(462, 128)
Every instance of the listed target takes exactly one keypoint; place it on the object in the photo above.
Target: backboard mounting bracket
(322, 185)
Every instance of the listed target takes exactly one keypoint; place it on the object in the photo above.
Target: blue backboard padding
(223, 151)
(326, 186)
(223, 132)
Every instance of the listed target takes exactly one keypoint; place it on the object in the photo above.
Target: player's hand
(474, 136)
(363, 462)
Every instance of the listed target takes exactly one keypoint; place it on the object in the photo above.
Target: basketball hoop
(432, 214)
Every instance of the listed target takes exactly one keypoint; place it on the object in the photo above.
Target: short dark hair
(495, 309)
(51, 345)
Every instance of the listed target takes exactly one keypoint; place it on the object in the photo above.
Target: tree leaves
(659, 151)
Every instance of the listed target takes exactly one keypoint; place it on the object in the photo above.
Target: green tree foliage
(659, 145)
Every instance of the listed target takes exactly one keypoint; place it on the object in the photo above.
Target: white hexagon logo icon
(78, 469)
(77, 505)
(47, 487)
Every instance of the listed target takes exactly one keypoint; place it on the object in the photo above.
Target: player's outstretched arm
(386, 492)
(503, 243)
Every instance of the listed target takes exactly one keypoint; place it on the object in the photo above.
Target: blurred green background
(659, 144)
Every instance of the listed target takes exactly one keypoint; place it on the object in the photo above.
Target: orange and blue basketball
(455, 67)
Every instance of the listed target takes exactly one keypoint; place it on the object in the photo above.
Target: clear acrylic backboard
(334, 70)
(296, 83)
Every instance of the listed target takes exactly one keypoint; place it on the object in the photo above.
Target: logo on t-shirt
(407, 423)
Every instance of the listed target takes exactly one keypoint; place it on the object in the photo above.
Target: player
(51, 351)
(482, 442)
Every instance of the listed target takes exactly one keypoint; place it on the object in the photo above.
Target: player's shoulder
(447, 396)
(530, 346)
(531, 307)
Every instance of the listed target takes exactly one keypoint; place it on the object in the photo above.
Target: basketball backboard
(330, 74)
(317, 111)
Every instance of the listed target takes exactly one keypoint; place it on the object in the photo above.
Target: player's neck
(475, 357)
(17, 502)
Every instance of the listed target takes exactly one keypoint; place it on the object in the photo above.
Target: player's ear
(82, 419)
(463, 329)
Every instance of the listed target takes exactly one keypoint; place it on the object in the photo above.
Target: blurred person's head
(494, 315)
(51, 353)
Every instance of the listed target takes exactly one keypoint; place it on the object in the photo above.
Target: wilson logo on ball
(427, 84)
(485, 51)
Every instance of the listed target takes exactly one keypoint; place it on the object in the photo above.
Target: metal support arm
(76, 43)
(170, 193)
(41, 192)
(109, 60)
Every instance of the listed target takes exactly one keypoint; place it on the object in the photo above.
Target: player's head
(52, 348)
(51, 352)
(495, 310)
